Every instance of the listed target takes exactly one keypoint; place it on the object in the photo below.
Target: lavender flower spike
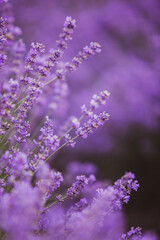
(76, 188)
(67, 32)
(125, 185)
(96, 102)
(133, 234)
(35, 50)
(3, 39)
(90, 50)
(94, 122)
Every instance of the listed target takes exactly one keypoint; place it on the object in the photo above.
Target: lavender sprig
(133, 234)
(67, 32)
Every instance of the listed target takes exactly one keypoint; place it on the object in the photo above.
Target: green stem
(23, 100)
(20, 103)
(64, 144)
(49, 206)
(21, 92)
(52, 80)
(6, 135)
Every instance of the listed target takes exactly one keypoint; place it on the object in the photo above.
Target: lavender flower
(94, 122)
(3, 30)
(96, 102)
(2, 185)
(79, 206)
(92, 49)
(45, 69)
(18, 164)
(132, 234)
(67, 32)
(76, 188)
(3, 59)
(36, 49)
(125, 185)
(69, 140)
(50, 140)
(3, 39)
(76, 123)
(47, 180)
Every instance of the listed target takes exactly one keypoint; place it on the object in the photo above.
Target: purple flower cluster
(96, 102)
(47, 180)
(77, 187)
(3, 32)
(133, 234)
(36, 201)
(125, 185)
(94, 122)
(35, 50)
(67, 32)
(92, 49)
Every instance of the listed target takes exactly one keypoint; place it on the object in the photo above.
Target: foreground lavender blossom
(31, 204)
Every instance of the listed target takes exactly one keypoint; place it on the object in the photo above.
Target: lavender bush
(37, 201)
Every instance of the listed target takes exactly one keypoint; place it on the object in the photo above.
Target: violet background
(128, 67)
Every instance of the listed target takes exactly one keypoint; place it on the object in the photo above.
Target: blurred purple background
(128, 67)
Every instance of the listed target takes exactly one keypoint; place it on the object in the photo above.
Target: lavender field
(79, 119)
